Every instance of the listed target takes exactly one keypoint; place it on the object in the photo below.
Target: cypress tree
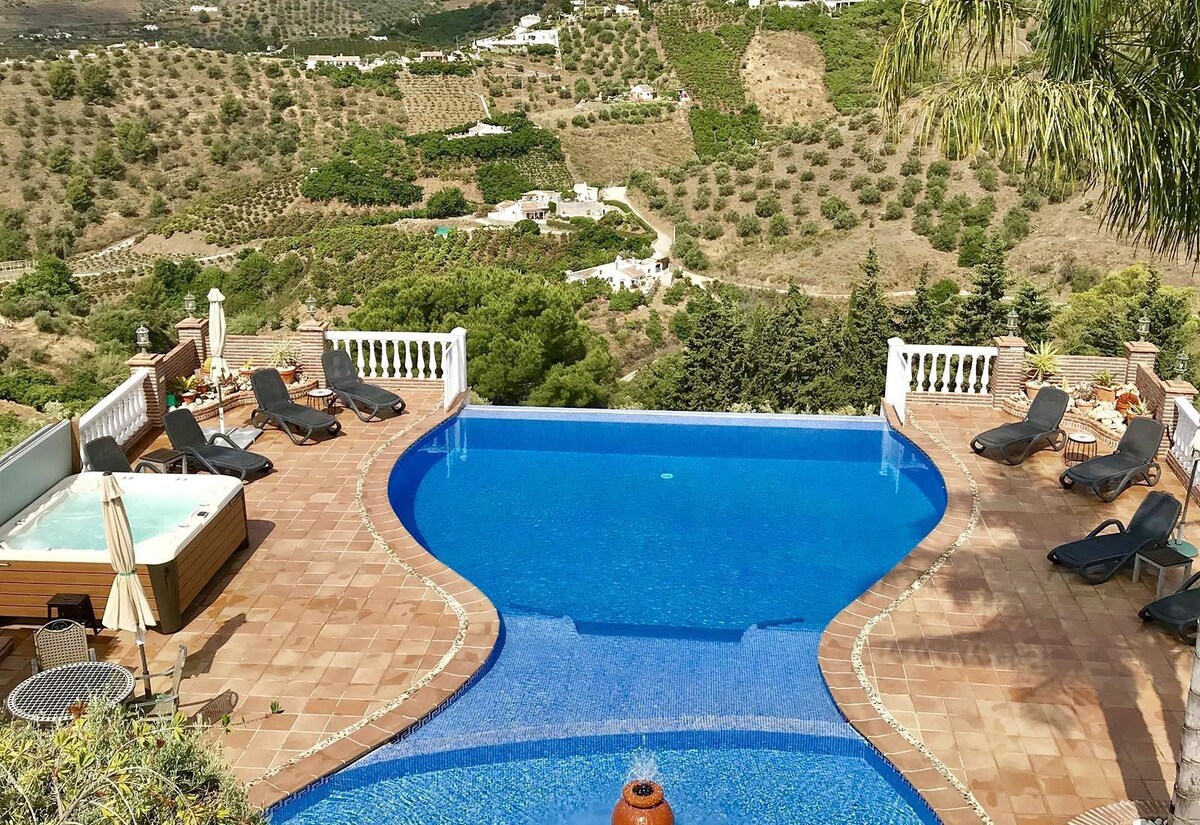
(1034, 313)
(864, 341)
(981, 316)
(714, 362)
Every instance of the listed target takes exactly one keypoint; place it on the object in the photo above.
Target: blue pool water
(649, 520)
(713, 548)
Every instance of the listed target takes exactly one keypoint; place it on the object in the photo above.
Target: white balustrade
(120, 414)
(933, 370)
(1187, 424)
(414, 356)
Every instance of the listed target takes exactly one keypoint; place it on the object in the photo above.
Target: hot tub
(184, 529)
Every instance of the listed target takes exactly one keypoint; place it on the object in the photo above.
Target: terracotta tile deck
(355, 641)
(1039, 696)
(1042, 696)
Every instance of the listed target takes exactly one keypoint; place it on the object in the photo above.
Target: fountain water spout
(642, 803)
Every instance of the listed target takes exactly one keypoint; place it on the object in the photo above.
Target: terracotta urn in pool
(642, 803)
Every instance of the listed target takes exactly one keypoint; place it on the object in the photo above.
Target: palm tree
(1104, 90)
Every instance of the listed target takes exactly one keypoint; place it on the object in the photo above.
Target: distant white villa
(642, 92)
(622, 10)
(830, 5)
(377, 38)
(535, 205)
(626, 273)
(480, 129)
(206, 9)
(523, 34)
(338, 61)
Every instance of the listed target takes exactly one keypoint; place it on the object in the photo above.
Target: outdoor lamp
(1011, 320)
(1143, 328)
(189, 305)
(310, 304)
(143, 338)
(1181, 365)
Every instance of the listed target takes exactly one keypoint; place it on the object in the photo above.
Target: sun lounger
(1013, 443)
(1134, 461)
(1098, 556)
(365, 399)
(187, 437)
(276, 407)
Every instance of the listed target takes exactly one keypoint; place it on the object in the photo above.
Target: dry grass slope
(784, 73)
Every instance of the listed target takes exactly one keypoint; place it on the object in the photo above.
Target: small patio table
(48, 696)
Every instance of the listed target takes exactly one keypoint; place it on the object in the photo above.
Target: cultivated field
(163, 128)
(784, 73)
(440, 102)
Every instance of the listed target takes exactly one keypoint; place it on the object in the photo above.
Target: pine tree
(1034, 313)
(714, 362)
(864, 341)
(982, 314)
(923, 319)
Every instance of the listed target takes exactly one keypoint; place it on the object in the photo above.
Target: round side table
(321, 399)
(1080, 447)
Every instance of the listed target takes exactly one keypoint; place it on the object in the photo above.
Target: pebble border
(449, 600)
(861, 638)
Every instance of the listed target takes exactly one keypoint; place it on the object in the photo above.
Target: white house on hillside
(480, 129)
(535, 205)
(642, 92)
(626, 273)
(523, 34)
(338, 61)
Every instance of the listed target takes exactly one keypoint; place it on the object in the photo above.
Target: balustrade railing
(1187, 424)
(121, 414)
(415, 356)
(933, 370)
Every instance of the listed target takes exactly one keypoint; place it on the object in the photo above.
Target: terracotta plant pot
(1031, 389)
(288, 374)
(188, 396)
(245, 373)
(642, 803)
(1084, 406)
(1126, 401)
(1129, 417)
(1105, 393)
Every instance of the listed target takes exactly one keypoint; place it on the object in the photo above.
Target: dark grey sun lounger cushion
(187, 437)
(104, 455)
(1099, 555)
(276, 407)
(1013, 443)
(365, 399)
(1134, 461)
(1178, 612)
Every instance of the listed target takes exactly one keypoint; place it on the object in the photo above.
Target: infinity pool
(663, 581)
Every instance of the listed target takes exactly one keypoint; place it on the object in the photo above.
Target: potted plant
(1126, 400)
(1085, 398)
(247, 369)
(1042, 363)
(185, 388)
(1138, 410)
(284, 359)
(1105, 386)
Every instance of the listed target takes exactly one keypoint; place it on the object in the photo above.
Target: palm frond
(931, 32)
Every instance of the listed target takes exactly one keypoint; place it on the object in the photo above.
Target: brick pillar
(310, 340)
(1139, 353)
(196, 331)
(156, 384)
(1173, 389)
(1008, 371)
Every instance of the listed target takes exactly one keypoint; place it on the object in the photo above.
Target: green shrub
(111, 767)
